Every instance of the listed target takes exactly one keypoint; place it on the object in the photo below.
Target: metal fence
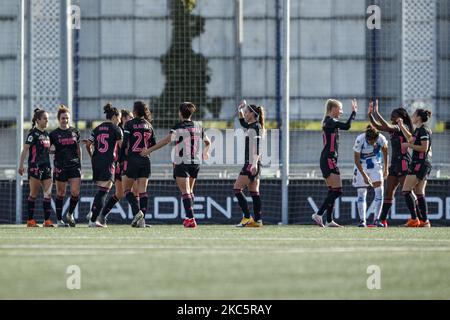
(214, 53)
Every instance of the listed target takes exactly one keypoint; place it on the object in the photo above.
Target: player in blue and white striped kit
(370, 170)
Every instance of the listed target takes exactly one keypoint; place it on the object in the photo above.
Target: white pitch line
(237, 238)
(216, 252)
(100, 249)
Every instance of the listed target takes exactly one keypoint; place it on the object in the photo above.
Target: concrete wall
(122, 41)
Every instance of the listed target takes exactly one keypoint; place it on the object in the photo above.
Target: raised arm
(385, 126)
(405, 131)
(372, 119)
(424, 139)
(348, 124)
(241, 114)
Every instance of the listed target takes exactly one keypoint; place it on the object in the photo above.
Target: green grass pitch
(224, 262)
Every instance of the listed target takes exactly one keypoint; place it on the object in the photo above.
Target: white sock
(362, 204)
(378, 201)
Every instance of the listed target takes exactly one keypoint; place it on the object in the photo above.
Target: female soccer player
(400, 158)
(67, 165)
(369, 170)
(138, 135)
(39, 169)
(126, 115)
(329, 156)
(420, 167)
(105, 140)
(251, 118)
(188, 136)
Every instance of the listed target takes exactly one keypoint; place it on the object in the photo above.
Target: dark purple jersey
(138, 135)
(39, 142)
(105, 138)
(253, 131)
(330, 127)
(422, 133)
(66, 142)
(398, 153)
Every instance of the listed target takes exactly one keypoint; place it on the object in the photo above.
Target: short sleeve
(424, 135)
(357, 147)
(92, 137)
(30, 138)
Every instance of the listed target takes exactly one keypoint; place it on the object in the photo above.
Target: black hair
(110, 111)
(142, 110)
(126, 113)
(403, 114)
(424, 114)
(372, 133)
(37, 115)
(187, 109)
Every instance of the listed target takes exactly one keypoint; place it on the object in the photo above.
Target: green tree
(187, 73)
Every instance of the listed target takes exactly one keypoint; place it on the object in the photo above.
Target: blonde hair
(330, 104)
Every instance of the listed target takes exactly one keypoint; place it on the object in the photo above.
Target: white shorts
(375, 174)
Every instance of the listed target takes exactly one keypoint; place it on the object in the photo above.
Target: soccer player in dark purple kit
(67, 165)
(189, 137)
(126, 116)
(102, 147)
(251, 118)
(138, 135)
(400, 157)
(329, 156)
(39, 168)
(420, 143)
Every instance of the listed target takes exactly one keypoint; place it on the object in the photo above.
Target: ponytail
(37, 115)
(261, 115)
(110, 111)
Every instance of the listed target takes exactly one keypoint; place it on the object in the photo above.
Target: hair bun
(107, 108)
(37, 110)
